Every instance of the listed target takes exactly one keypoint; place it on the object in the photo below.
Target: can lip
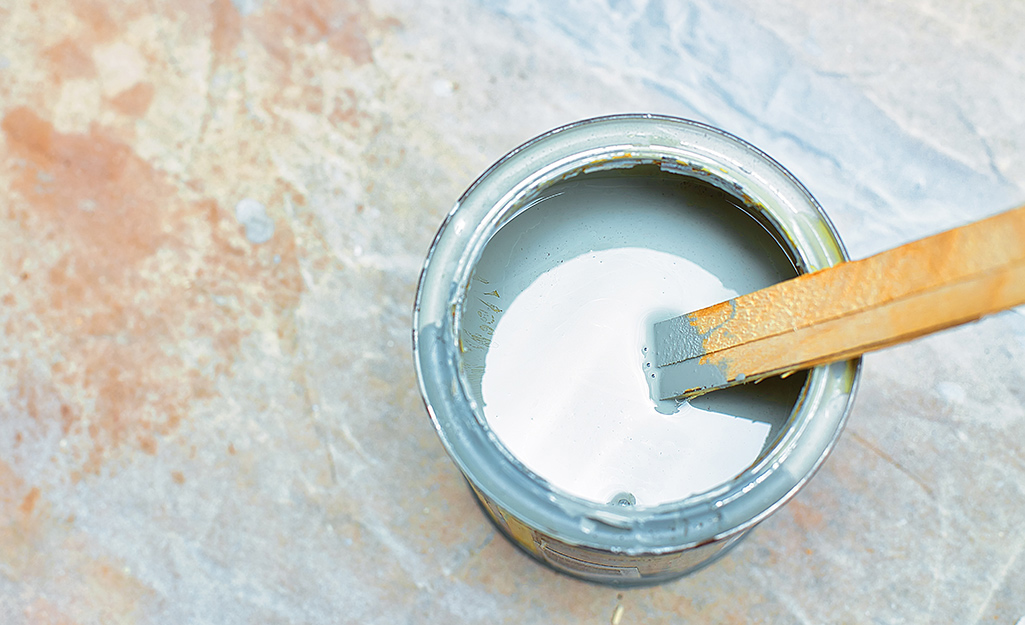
(728, 161)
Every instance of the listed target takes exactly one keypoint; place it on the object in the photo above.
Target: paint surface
(559, 315)
(575, 338)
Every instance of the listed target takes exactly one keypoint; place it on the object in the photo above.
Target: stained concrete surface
(212, 218)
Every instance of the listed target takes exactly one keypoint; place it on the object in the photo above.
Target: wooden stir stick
(855, 307)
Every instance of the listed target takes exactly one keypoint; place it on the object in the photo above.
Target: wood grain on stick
(838, 313)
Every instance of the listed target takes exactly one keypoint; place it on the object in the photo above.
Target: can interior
(544, 227)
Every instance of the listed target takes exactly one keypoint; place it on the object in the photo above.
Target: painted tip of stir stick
(839, 313)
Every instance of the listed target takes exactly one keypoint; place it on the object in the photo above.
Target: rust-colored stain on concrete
(118, 272)
(28, 504)
(135, 100)
(69, 60)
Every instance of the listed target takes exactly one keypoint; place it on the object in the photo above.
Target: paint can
(660, 527)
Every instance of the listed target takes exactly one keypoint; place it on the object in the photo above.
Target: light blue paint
(247, 7)
(253, 217)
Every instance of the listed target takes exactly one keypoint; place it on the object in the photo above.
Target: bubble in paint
(623, 499)
(253, 217)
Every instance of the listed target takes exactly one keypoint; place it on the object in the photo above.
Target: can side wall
(600, 566)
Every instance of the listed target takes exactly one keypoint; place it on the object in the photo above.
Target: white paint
(564, 382)
(555, 317)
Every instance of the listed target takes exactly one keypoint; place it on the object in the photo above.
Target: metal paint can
(623, 545)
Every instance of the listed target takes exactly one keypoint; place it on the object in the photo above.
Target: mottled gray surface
(208, 421)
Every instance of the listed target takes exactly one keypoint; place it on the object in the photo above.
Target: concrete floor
(212, 220)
